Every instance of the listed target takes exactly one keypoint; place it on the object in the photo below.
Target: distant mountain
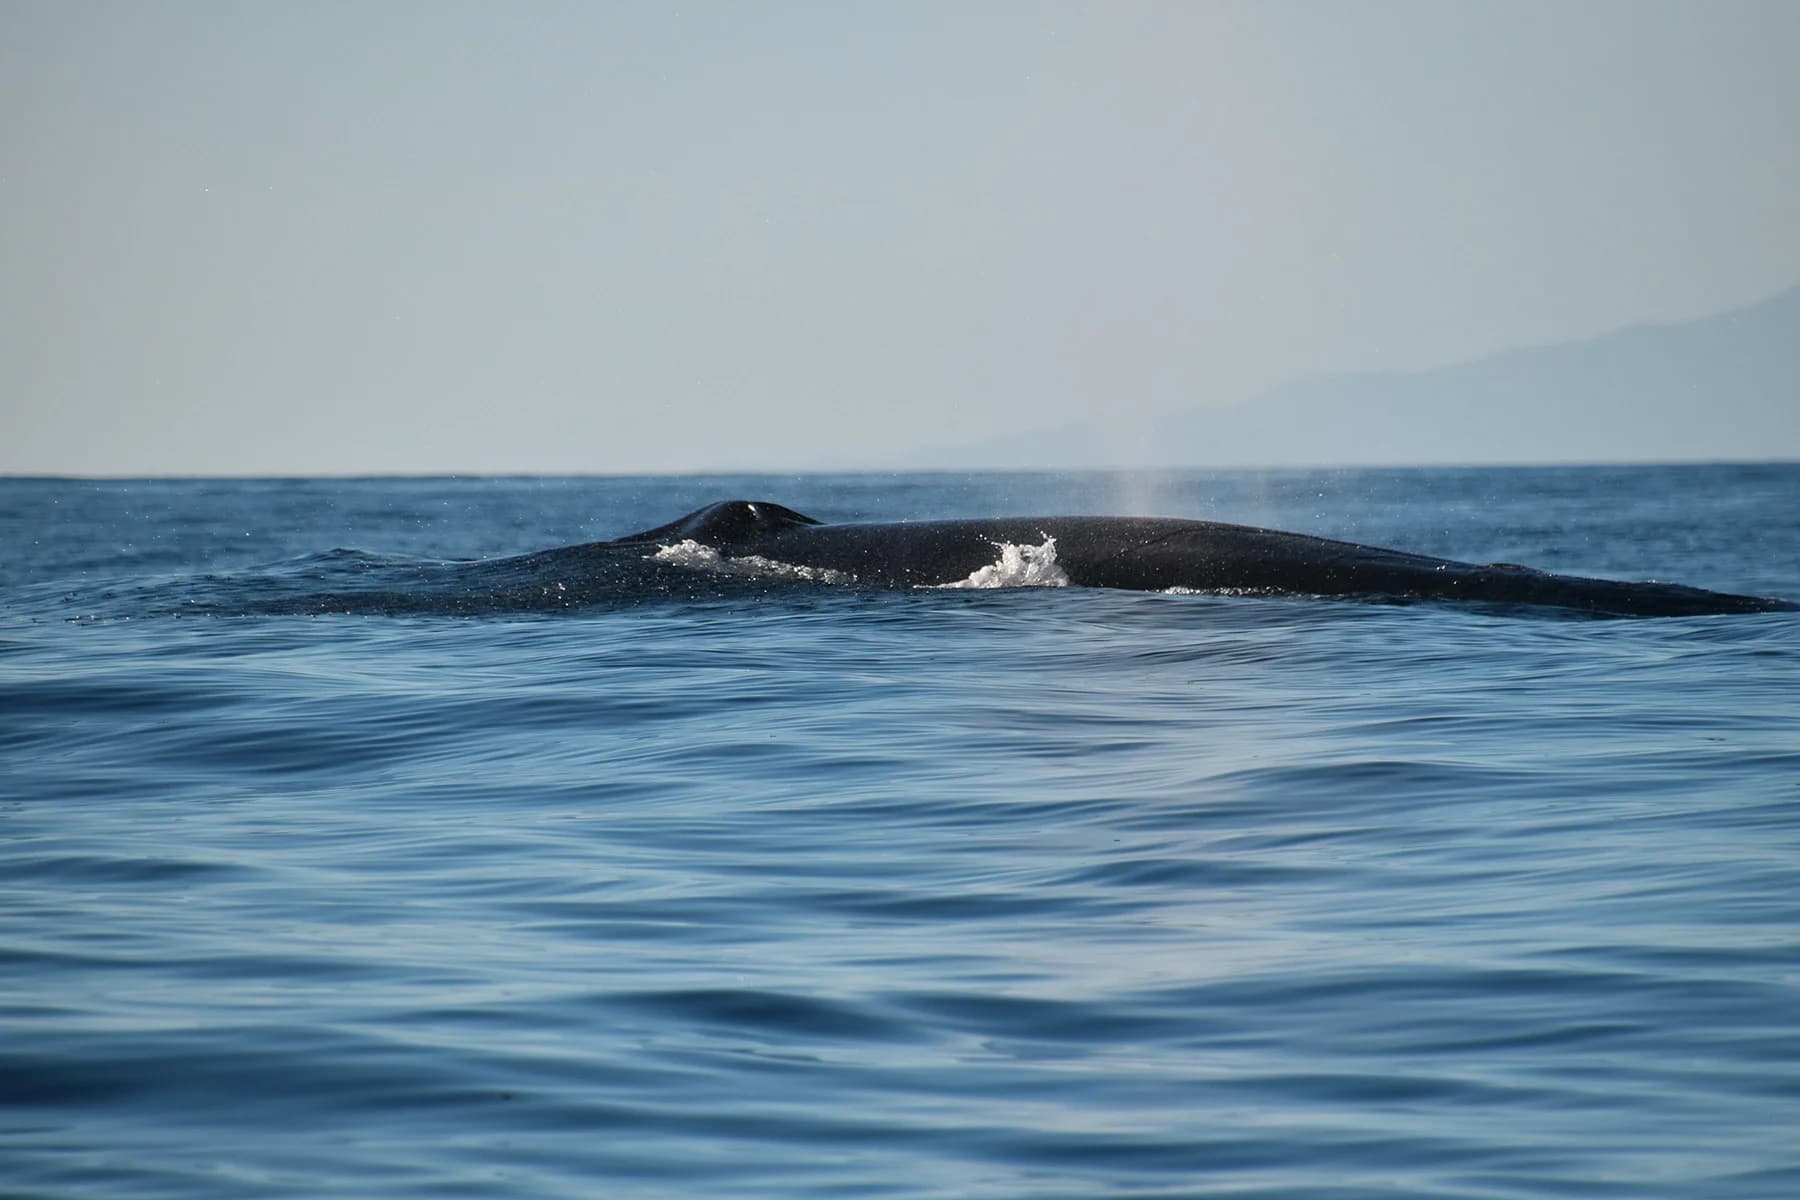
(1723, 387)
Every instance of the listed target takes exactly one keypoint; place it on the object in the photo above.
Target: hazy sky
(438, 236)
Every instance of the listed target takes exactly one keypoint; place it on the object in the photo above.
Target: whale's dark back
(1146, 553)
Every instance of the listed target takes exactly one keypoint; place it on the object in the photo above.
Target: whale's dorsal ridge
(1156, 554)
(726, 522)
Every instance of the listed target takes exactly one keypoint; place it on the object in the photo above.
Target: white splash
(1179, 590)
(689, 553)
(1019, 566)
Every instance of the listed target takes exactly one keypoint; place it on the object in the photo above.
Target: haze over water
(777, 887)
(453, 237)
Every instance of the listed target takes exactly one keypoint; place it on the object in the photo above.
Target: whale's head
(727, 523)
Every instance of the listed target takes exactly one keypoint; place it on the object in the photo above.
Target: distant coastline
(1687, 392)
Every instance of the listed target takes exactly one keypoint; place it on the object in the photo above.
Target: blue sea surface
(321, 878)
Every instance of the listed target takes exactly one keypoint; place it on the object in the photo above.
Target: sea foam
(689, 553)
(1019, 566)
(1015, 566)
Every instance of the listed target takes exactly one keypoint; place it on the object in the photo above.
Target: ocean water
(329, 870)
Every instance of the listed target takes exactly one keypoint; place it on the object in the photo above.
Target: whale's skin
(1159, 553)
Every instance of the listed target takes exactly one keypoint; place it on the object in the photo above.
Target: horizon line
(225, 476)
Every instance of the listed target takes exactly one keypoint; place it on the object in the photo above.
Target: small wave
(1019, 566)
(689, 553)
(1180, 590)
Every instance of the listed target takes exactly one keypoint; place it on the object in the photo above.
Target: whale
(1157, 554)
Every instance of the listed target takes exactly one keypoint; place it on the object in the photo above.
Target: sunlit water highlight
(329, 872)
